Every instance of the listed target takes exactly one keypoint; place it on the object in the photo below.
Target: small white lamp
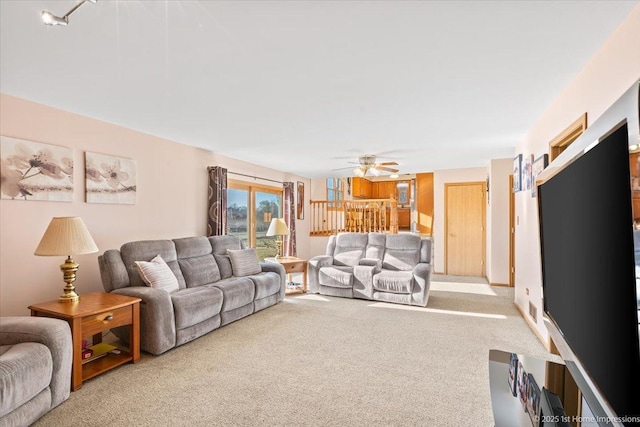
(278, 228)
(67, 236)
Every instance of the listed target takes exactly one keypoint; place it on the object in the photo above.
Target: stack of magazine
(99, 350)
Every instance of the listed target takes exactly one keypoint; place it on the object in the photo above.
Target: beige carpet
(321, 361)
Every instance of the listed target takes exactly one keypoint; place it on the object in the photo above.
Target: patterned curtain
(289, 242)
(217, 203)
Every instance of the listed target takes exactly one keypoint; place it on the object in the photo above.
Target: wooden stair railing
(360, 216)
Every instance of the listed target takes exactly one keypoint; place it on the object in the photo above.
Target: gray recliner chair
(36, 354)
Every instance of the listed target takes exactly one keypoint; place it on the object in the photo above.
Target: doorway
(465, 235)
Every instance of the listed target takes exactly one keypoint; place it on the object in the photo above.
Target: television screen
(588, 266)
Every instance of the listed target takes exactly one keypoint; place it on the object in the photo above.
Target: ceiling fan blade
(388, 164)
(383, 168)
(340, 169)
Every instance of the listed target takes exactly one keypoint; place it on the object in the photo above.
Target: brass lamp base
(279, 247)
(69, 269)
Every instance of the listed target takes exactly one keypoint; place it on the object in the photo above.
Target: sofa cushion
(349, 248)
(266, 284)
(145, 250)
(200, 270)
(375, 246)
(224, 265)
(238, 292)
(25, 370)
(397, 282)
(157, 274)
(402, 252)
(244, 262)
(219, 246)
(196, 261)
(195, 305)
(336, 276)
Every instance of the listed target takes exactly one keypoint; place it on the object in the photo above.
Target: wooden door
(465, 228)
(424, 202)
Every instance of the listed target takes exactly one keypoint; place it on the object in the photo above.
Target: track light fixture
(50, 19)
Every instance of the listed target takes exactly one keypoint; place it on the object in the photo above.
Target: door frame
(252, 188)
(483, 184)
(512, 234)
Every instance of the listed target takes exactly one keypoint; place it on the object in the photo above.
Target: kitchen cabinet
(361, 188)
(404, 219)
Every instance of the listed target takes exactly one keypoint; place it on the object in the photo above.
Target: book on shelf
(99, 350)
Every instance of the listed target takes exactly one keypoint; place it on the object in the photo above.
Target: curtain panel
(289, 212)
(217, 201)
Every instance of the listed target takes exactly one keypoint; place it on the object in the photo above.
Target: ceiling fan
(367, 163)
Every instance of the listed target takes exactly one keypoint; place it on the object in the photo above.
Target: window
(335, 193)
(250, 209)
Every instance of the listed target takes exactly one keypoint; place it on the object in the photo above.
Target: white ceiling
(307, 86)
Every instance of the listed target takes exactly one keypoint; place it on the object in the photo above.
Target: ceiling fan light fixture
(49, 18)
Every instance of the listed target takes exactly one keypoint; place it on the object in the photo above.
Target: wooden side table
(94, 313)
(293, 265)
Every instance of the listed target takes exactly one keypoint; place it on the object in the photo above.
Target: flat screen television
(590, 294)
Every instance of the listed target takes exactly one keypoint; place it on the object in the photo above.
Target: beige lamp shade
(278, 228)
(66, 236)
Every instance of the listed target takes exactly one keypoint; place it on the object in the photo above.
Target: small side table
(94, 313)
(293, 265)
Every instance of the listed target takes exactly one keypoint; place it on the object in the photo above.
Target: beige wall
(498, 221)
(171, 199)
(608, 74)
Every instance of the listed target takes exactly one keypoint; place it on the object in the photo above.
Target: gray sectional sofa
(209, 295)
(374, 266)
(35, 367)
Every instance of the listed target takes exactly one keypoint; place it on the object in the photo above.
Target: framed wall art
(110, 179)
(526, 172)
(537, 166)
(300, 201)
(517, 176)
(35, 171)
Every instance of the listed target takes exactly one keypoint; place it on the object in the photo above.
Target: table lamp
(278, 228)
(67, 236)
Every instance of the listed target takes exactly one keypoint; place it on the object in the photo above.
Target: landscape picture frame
(513, 374)
(517, 173)
(35, 171)
(537, 167)
(300, 200)
(533, 399)
(110, 179)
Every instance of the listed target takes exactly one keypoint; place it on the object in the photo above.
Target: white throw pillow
(157, 274)
(244, 262)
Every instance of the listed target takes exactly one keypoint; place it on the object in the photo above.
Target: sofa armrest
(363, 280)
(276, 267)
(56, 335)
(422, 280)
(157, 319)
(372, 262)
(313, 273)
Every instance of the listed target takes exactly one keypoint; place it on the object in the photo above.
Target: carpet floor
(313, 360)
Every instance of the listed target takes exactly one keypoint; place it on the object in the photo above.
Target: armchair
(36, 354)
